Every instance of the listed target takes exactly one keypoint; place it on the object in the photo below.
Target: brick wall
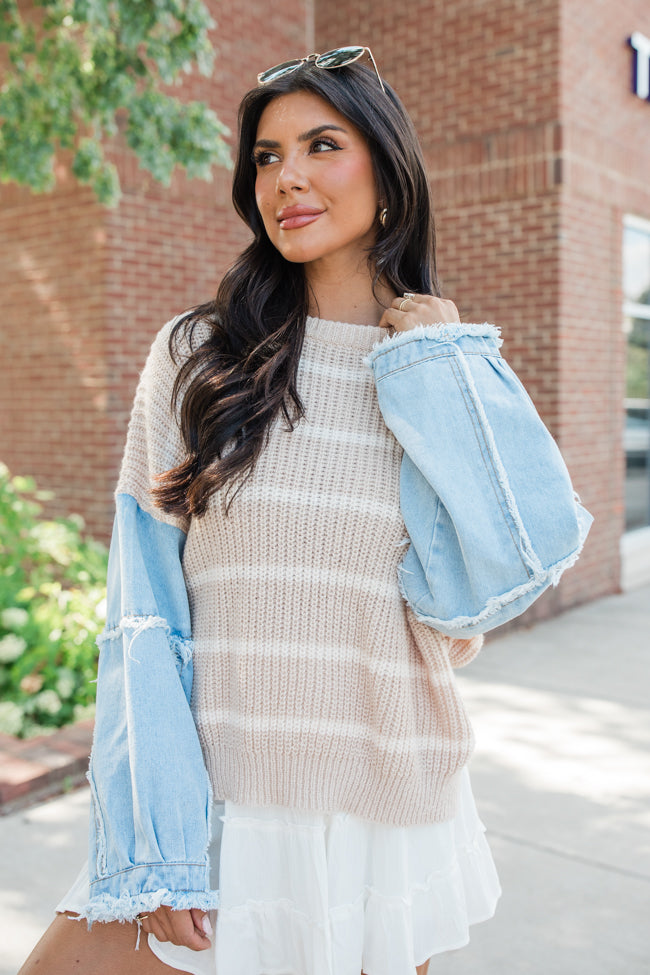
(606, 154)
(536, 148)
(167, 248)
(85, 289)
(54, 390)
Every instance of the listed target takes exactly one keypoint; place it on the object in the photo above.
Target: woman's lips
(292, 218)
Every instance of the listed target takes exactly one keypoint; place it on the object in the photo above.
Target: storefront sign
(641, 83)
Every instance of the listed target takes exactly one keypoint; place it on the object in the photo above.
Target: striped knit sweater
(314, 685)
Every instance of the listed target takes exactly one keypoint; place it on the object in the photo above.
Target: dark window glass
(636, 287)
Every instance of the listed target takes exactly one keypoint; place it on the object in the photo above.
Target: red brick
(536, 149)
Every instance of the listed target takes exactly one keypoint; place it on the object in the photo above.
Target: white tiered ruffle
(331, 894)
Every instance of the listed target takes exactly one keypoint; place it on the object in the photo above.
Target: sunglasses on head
(337, 58)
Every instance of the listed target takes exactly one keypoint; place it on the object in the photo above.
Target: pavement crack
(566, 855)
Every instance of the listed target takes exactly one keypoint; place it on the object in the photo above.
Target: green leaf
(52, 591)
(89, 60)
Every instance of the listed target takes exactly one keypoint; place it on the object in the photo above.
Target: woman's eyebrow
(318, 130)
(303, 137)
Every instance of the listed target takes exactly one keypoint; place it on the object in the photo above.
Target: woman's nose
(291, 177)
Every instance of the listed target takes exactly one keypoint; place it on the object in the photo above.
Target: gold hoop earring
(382, 216)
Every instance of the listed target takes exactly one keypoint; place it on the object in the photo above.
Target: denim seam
(524, 544)
(98, 819)
(453, 354)
(146, 863)
(436, 522)
(488, 457)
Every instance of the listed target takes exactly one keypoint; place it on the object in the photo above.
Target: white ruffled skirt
(331, 894)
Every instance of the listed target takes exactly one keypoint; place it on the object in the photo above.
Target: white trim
(636, 223)
(635, 559)
(635, 545)
(633, 309)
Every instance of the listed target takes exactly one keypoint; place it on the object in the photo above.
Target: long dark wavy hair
(232, 386)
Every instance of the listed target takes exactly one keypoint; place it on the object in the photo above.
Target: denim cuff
(181, 886)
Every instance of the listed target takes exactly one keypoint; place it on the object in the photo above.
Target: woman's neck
(346, 296)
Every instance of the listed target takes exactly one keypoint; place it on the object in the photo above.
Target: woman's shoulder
(172, 346)
(180, 337)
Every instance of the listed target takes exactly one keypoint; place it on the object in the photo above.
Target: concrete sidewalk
(562, 779)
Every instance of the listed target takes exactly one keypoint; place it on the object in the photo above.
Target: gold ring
(403, 302)
(141, 917)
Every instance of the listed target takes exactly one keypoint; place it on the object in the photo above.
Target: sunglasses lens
(339, 57)
(278, 70)
(336, 58)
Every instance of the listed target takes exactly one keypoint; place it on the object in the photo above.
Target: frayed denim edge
(541, 581)
(439, 332)
(183, 647)
(106, 907)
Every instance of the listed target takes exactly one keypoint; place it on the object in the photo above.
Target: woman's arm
(151, 798)
(150, 791)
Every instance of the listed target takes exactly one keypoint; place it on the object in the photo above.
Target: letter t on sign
(641, 45)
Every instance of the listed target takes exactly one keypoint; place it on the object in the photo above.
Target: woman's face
(315, 186)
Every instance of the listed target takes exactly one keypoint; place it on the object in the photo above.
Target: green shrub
(52, 608)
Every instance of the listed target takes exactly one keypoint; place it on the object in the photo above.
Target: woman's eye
(323, 145)
(264, 157)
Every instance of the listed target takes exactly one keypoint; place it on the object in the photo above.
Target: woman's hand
(188, 928)
(408, 312)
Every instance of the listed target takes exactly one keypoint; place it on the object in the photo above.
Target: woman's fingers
(410, 310)
(201, 922)
(180, 927)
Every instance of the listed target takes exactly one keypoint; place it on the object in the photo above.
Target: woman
(258, 650)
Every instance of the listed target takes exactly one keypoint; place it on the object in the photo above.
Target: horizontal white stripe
(315, 652)
(330, 500)
(317, 368)
(348, 437)
(291, 725)
(300, 575)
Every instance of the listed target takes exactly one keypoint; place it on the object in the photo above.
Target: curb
(33, 769)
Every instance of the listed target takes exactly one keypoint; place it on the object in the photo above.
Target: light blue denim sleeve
(486, 497)
(151, 797)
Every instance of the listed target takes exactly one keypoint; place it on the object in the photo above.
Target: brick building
(536, 129)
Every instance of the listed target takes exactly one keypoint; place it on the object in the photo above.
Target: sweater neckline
(343, 334)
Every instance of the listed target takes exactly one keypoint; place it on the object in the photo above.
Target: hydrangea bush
(52, 608)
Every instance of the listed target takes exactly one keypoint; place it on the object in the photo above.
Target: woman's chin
(298, 251)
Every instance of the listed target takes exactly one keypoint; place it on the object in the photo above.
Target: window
(636, 323)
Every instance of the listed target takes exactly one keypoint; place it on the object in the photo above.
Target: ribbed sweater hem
(347, 786)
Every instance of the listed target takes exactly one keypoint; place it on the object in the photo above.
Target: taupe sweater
(314, 685)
